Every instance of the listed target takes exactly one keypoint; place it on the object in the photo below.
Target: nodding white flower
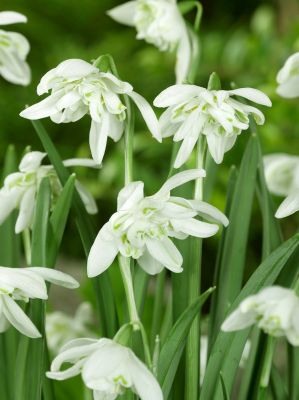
(288, 78)
(24, 284)
(107, 368)
(61, 328)
(160, 23)
(142, 227)
(193, 111)
(20, 188)
(274, 309)
(79, 88)
(14, 49)
(282, 177)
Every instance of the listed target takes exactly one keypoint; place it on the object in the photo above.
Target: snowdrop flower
(20, 188)
(282, 177)
(142, 227)
(193, 110)
(79, 88)
(24, 284)
(107, 368)
(61, 328)
(160, 23)
(274, 309)
(288, 78)
(14, 49)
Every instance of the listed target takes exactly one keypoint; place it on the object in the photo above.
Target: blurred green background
(244, 42)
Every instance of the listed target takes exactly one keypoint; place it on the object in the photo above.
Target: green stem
(27, 245)
(267, 364)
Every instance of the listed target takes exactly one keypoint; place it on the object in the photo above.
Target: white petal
(166, 253)
(67, 373)
(87, 198)
(290, 88)
(7, 204)
(130, 195)
(43, 109)
(27, 205)
(75, 68)
(177, 94)
(257, 96)
(183, 58)
(288, 69)
(219, 144)
(207, 210)
(194, 227)
(101, 255)
(238, 320)
(124, 14)
(185, 150)
(289, 206)
(114, 84)
(98, 136)
(116, 128)
(31, 161)
(78, 343)
(80, 162)
(56, 277)
(11, 17)
(179, 179)
(16, 316)
(148, 115)
(149, 264)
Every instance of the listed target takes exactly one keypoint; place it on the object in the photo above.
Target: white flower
(193, 111)
(142, 227)
(79, 88)
(61, 328)
(14, 49)
(24, 284)
(160, 23)
(282, 177)
(274, 309)
(107, 368)
(20, 188)
(288, 78)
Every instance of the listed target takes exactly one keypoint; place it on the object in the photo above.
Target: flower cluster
(24, 284)
(193, 111)
(160, 23)
(107, 368)
(142, 226)
(20, 188)
(14, 49)
(79, 88)
(274, 309)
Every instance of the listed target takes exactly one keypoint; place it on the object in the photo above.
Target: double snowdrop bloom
(193, 111)
(288, 78)
(107, 368)
(14, 49)
(79, 88)
(282, 177)
(24, 284)
(61, 328)
(142, 227)
(274, 309)
(160, 23)
(20, 188)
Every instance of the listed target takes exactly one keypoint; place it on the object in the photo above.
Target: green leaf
(173, 347)
(227, 350)
(223, 386)
(214, 82)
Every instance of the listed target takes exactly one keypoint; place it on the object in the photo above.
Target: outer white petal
(289, 206)
(238, 320)
(166, 253)
(27, 205)
(80, 162)
(7, 204)
(194, 227)
(148, 115)
(56, 277)
(87, 198)
(179, 179)
(177, 94)
(130, 195)
(31, 161)
(11, 17)
(255, 95)
(124, 14)
(16, 316)
(114, 84)
(207, 210)
(43, 109)
(149, 264)
(101, 255)
(78, 343)
(183, 58)
(67, 373)
(286, 71)
(290, 88)
(75, 68)
(218, 145)
(116, 128)
(98, 136)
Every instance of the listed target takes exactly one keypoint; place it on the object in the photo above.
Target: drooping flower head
(107, 368)
(193, 111)
(142, 227)
(14, 49)
(288, 78)
(160, 23)
(22, 284)
(274, 309)
(20, 188)
(79, 88)
(282, 177)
